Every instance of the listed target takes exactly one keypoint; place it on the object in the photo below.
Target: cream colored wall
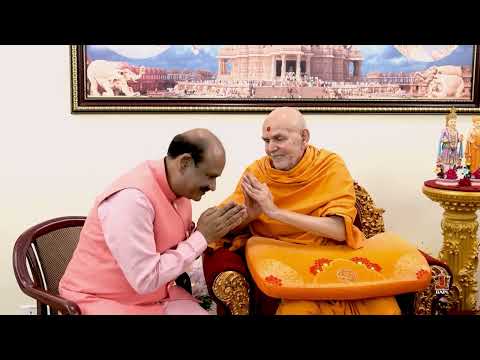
(54, 163)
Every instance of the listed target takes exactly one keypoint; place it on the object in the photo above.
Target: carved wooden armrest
(369, 216)
(231, 288)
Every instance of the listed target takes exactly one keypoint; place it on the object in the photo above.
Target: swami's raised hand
(259, 192)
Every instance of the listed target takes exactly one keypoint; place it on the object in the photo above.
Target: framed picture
(247, 78)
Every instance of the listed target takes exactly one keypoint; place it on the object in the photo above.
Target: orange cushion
(387, 265)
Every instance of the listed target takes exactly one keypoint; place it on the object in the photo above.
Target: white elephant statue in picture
(443, 81)
(111, 76)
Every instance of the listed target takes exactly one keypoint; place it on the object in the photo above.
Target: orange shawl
(319, 185)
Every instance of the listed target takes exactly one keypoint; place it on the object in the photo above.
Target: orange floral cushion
(387, 265)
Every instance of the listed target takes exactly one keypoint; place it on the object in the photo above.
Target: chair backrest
(369, 218)
(48, 247)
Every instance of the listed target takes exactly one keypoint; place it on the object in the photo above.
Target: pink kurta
(135, 243)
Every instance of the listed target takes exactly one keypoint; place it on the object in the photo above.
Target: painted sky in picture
(383, 58)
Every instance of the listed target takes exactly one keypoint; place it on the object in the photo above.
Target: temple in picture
(340, 63)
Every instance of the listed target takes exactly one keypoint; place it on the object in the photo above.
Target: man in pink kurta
(139, 236)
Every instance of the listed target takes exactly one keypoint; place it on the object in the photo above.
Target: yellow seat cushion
(387, 265)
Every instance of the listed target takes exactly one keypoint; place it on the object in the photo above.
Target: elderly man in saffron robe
(301, 195)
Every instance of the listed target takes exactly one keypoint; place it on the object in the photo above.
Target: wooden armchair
(48, 248)
(235, 294)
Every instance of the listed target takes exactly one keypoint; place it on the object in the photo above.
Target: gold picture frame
(131, 85)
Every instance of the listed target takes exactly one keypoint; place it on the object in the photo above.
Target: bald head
(286, 137)
(195, 159)
(196, 142)
(285, 118)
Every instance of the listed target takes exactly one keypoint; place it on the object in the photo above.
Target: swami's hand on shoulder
(216, 222)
